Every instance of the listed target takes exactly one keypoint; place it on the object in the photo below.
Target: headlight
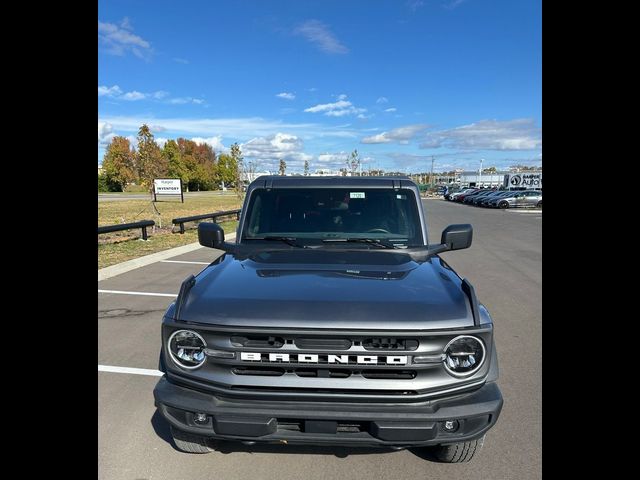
(187, 349)
(464, 355)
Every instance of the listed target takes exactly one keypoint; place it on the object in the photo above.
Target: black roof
(276, 181)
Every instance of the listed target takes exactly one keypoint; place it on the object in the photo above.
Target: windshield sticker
(401, 197)
(356, 195)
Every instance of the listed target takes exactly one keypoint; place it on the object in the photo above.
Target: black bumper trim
(390, 424)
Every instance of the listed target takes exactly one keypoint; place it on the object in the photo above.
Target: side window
(254, 220)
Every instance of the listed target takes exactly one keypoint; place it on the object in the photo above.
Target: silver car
(523, 199)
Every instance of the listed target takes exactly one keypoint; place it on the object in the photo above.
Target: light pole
(480, 177)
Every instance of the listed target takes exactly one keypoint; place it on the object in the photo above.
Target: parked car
(460, 198)
(522, 199)
(479, 193)
(472, 200)
(484, 202)
(451, 196)
(478, 199)
(272, 343)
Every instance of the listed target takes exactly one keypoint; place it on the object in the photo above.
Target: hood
(325, 289)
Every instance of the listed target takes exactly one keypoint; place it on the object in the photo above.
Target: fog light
(200, 418)
(451, 425)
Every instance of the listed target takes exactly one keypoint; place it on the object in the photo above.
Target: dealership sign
(523, 180)
(167, 186)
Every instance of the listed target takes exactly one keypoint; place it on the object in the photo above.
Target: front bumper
(330, 423)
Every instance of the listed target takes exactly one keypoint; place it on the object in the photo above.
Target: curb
(129, 265)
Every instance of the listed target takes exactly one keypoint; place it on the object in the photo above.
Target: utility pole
(431, 176)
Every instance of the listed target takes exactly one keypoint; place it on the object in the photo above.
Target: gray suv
(330, 320)
(523, 199)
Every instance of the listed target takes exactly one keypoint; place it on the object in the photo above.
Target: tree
(119, 163)
(150, 161)
(490, 170)
(353, 162)
(236, 154)
(283, 167)
(226, 168)
(306, 167)
(176, 166)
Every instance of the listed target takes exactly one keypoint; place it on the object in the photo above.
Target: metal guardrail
(143, 224)
(182, 220)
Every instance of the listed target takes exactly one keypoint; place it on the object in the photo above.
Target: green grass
(125, 245)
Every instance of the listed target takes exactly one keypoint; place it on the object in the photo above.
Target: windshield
(324, 214)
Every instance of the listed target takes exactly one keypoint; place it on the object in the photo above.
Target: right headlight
(186, 348)
(464, 355)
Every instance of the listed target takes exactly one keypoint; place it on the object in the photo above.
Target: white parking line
(184, 261)
(121, 292)
(134, 371)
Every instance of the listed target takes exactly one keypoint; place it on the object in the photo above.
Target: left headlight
(186, 348)
(464, 355)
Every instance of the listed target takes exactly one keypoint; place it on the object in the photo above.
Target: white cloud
(401, 134)
(269, 150)
(415, 4)
(134, 95)
(185, 100)
(239, 128)
(518, 134)
(105, 133)
(286, 95)
(161, 141)
(392, 109)
(215, 142)
(319, 34)
(336, 109)
(181, 60)
(382, 100)
(453, 4)
(118, 40)
(104, 91)
(116, 92)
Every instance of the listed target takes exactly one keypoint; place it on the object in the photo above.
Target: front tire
(539, 205)
(503, 205)
(188, 443)
(458, 452)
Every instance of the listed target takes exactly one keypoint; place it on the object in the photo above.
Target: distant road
(113, 197)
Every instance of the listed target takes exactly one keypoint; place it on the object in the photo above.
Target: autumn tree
(283, 167)
(236, 154)
(119, 163)
(150, 162)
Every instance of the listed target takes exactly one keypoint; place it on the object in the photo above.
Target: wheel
(378, 230)
(186, 442)
(458, 452)
(539, 204)
(503, 205)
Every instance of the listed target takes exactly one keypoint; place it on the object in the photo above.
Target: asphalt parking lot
(505, 266)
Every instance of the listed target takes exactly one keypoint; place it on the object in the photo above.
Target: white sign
(167, 186)
(526, 180)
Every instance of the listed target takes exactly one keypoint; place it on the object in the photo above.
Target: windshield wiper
(372, 241)
(293, 241)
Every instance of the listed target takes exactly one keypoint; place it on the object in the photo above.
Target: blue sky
(401, 81)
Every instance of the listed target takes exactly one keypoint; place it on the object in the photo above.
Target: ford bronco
(330, 320)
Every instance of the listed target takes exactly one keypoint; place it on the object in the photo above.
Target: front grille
(390, 344)
(389, 374)
(258, 371)
(322, 373)
(322, 343)
(257, 341)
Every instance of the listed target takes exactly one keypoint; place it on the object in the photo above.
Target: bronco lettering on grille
(320, 358)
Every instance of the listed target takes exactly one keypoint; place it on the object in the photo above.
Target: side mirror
(210, 235)
(457, 237)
